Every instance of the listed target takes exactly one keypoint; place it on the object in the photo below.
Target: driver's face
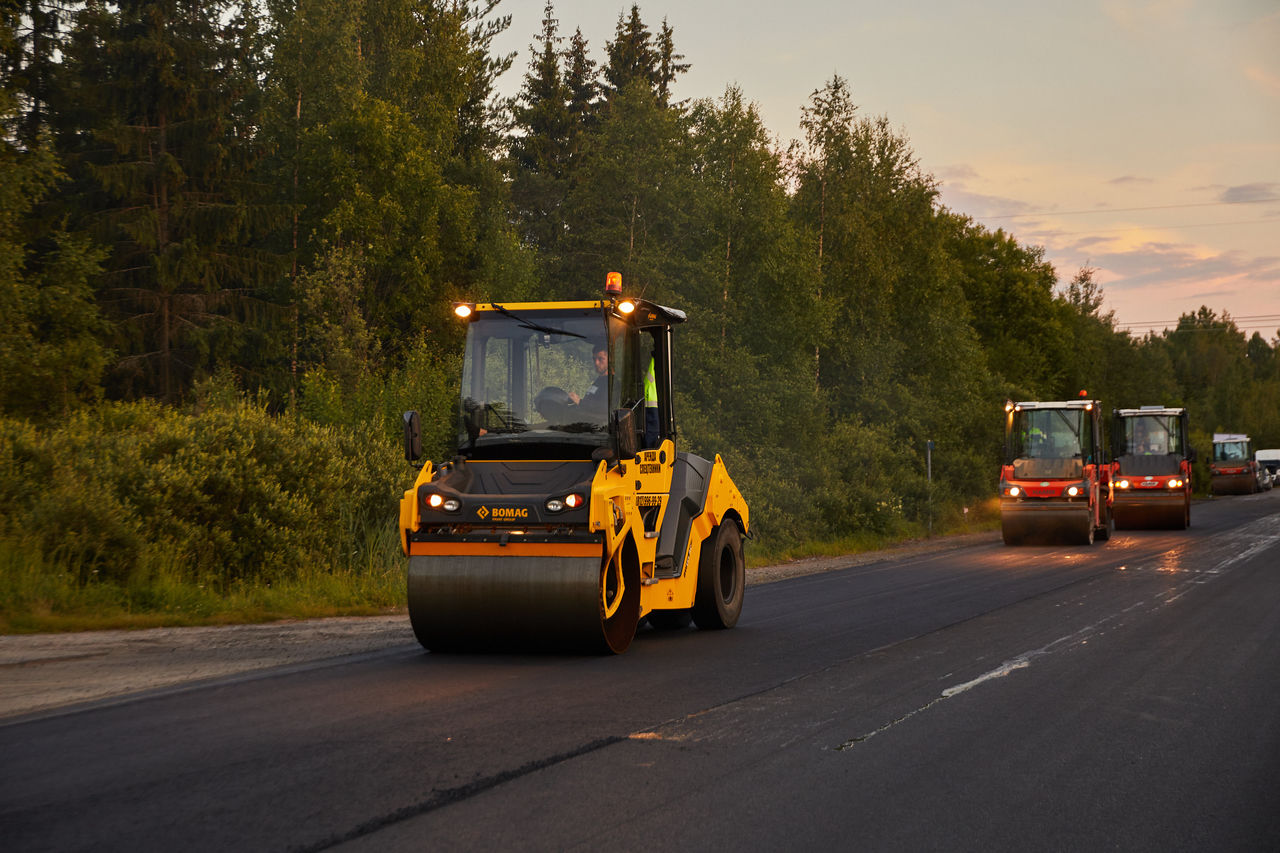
(602, 361)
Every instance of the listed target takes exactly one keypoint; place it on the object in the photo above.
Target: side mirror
(412, 436)
(623, 426)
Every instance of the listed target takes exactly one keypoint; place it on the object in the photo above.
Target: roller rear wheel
(722, 577)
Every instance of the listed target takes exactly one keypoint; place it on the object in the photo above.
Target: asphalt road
(1124, 696)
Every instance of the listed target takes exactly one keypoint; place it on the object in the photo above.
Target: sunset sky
(1139, 137)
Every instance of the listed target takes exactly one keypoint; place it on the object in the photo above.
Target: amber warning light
(613, 283)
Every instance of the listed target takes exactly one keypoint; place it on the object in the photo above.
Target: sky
(1140, 138)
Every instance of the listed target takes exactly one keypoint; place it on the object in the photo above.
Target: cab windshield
(536, 383)
(1049, 442)
(1230, 451)
(1152, 435)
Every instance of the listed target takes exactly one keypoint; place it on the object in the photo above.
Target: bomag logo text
(503, 513)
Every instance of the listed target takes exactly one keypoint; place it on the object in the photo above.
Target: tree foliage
(281, 199)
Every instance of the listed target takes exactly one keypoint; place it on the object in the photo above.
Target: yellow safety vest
(650, 388)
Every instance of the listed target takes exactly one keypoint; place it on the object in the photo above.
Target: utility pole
(928, 472)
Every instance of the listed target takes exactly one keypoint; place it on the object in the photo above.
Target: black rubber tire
(669, 620)
(722, 578)
(620, 629)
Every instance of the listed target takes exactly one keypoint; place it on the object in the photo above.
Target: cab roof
(646, 313)
(1058, 404)
(1149, 410)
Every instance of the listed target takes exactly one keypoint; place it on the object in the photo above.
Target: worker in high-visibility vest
(652, 429)
(1033, 442)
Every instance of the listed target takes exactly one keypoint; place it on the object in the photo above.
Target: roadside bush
(129, 494)
(425, 382)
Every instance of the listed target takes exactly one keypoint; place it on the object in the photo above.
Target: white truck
(1269, 461)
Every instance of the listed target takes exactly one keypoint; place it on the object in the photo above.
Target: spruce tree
(31, 33)
(161, 138)
(669, 63)
(540, 150)
(632, 56)
(580, 79)
(583, 88)
(51, 351)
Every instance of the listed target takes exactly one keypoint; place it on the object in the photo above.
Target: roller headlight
(1175, 483)
(1014, 491)
(1124, 484)
(570, 501)
(435, 500)
(1072, 491)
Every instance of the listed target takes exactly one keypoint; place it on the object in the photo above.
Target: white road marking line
(1265, 534)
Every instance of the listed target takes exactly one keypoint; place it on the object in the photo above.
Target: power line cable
(1158, 227)
(1273, 200)
(1266, 318)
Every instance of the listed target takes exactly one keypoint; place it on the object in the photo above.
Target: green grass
(39, 594)
(43, 593)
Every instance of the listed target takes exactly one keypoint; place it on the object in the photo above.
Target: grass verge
(43, 594)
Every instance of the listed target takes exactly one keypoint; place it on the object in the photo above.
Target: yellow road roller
(567, 515)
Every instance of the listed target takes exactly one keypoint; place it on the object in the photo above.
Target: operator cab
(565, 381)
(1052, 440)
(1150, 440)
